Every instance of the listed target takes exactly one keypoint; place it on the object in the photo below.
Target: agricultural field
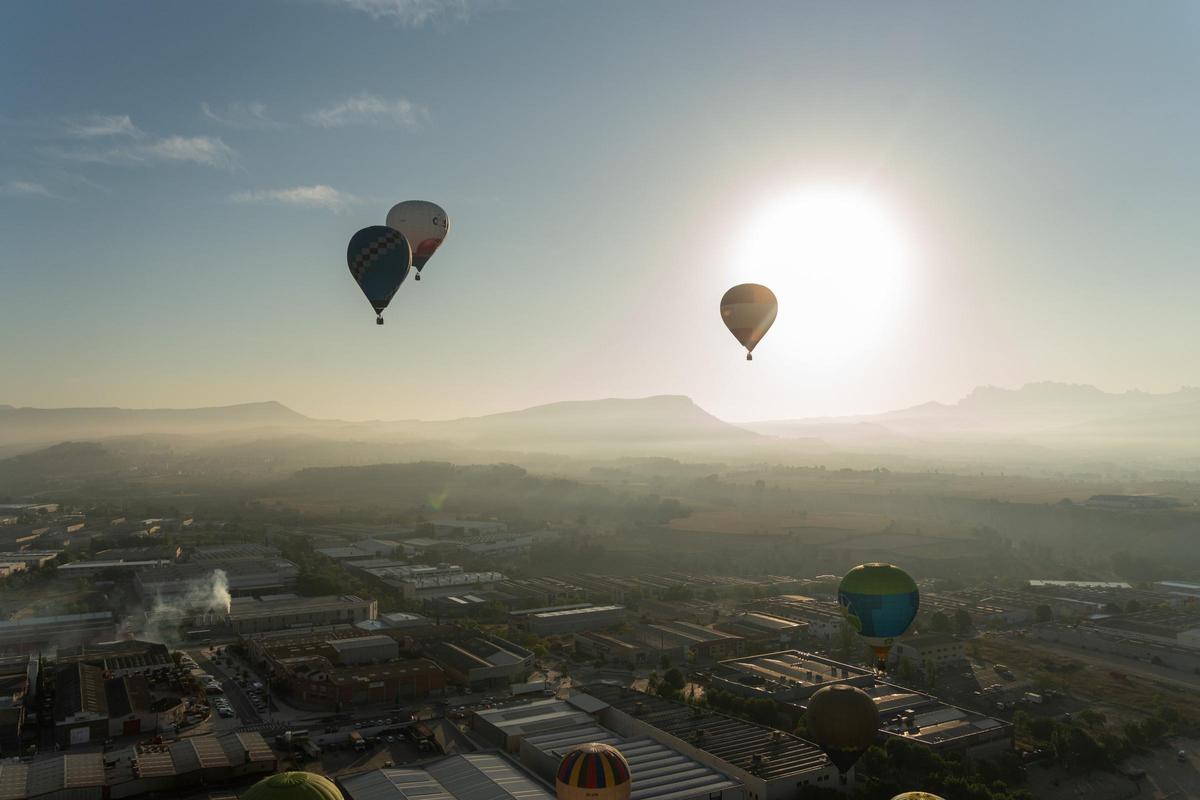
(831, 527)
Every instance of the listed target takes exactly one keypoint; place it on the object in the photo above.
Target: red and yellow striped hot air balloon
(748, 310)
(593, 772)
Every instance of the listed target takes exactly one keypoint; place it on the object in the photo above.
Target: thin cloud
(100, 125)
(208, 151)
(318, 196)
(241, 116)
(25, 189)
(412, 13)
(368, 109)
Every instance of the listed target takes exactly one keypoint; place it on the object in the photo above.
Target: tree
(962, 620)
(940, 622)
(674, 678)
(1043, 613)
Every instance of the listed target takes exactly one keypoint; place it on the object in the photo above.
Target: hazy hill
(49, 425)
(62, 464)
(638, 424)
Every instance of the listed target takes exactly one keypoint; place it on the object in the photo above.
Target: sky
(178, 182)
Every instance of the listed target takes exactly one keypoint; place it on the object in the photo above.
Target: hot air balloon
(748, 310)
(843, 720)
(880, 602)
(593, 772)
(916, 796)
(424, 224)
(379, 258)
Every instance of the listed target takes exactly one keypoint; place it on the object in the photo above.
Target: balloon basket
(418, 276)
(749, 356)
(379, 320)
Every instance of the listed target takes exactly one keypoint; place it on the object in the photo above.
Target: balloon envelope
(593, 771)
(424, 224)
(843, 720)
(880, 602)
(379, 259)
(748, 310)
(916, 796)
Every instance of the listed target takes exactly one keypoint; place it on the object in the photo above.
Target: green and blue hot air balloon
(880, 602)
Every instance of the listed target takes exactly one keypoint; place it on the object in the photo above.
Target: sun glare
(837, 262)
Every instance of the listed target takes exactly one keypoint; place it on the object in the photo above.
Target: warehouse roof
(657, 772)
(745, 745)
(474, 776)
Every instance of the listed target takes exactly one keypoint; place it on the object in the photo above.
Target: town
(185, 654)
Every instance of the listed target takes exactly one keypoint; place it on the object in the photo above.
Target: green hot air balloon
(880, 602)
(843, 720)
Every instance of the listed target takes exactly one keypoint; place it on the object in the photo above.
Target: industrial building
(764, 630)
(480, 662)
(788, 675)
(90, 705)
(770, 764)
(341, 667)
(73, 777)
(575, 620)
(699, 642)
(278, 612)
(244, 576)
(33, 634)
(1178, 655)
(620, 650)
(18, 685)
(472, 776)
(944, 728)
(1176, 627)
(657, 772)
(120, 658)
(931, 653)
(506, 727)
(231, 551)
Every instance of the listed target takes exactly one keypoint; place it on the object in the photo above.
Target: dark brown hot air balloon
(843, 720)
(748, 310)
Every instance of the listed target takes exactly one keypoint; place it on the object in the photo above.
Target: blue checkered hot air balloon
(379, 258)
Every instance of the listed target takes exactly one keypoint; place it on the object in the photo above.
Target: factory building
(121, 658)
(657, 772)
(33, 634)
(472, 776)
(620, 650)
(244, 576)
(925, 720)
(339, 667)
(788, 675)
(18, 685)
(764, 630)
(931, 653)
(248, 615)
(770, 764)
(68, 777)
(482, 663)
(508, 726)
(575, 620)
(699, 642)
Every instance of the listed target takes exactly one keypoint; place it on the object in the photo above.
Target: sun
(838, 263)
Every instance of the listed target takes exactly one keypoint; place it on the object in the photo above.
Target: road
(233, 693)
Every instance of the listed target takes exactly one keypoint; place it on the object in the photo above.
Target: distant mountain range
(1035, 418)
(1044, 414)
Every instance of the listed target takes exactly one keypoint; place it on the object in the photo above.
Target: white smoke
(198, 597)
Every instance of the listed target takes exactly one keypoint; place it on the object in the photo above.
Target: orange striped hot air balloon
(748, 310)
(593, 772)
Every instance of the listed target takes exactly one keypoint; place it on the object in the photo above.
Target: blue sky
(178, 182)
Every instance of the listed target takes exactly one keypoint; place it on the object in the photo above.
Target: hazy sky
(178, 182)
